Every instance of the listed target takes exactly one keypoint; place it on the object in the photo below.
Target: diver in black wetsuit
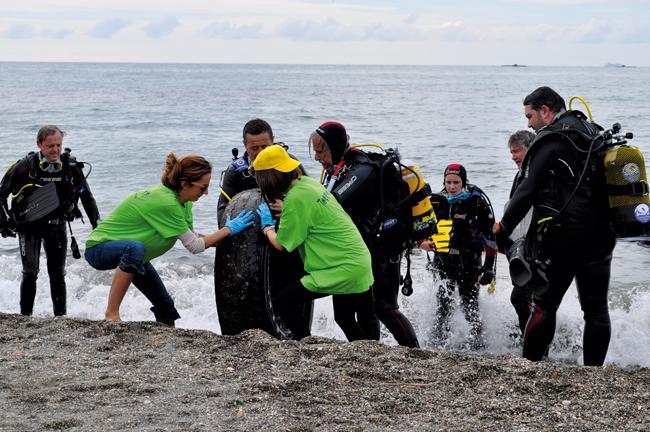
(257, 135)
(521, 296)
(459, 264)
(353, 179)
(570, 236)
(33, 172)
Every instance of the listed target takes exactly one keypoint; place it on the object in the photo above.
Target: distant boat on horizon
(617, 65)
(514, 65)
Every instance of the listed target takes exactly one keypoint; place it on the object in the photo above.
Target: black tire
(247, 272)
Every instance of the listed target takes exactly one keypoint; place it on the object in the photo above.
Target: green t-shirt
(334, 255)
(152, 216)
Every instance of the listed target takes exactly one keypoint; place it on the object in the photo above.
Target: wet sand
(80, 375)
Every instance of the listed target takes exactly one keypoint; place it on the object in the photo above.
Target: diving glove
(502, 236)
(486, 278)
(6, 229)
(266, 219)
(240, 223)
(6, 232)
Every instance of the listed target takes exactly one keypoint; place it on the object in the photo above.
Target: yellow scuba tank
(424, 218)
(627, 183)
(627, 188)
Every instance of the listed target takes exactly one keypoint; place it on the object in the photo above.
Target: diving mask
(47, 166)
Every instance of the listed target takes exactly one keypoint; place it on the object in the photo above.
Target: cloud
(641, 36)
(20, 31)
(546, 3)
(591, 32)
(616, 32)
(56, 34)
(161, 28)
(331, 30)
(225, 30)
(28, 31)
(106, 29)
(454, 32)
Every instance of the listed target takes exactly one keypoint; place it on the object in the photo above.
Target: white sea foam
(192, 287)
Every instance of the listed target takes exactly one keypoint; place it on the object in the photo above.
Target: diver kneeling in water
(335, 258)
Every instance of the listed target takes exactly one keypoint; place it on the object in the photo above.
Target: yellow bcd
(443, 236)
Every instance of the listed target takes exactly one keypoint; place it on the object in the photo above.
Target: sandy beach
(80, 375)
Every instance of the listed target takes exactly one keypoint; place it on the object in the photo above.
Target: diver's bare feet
(112, 316)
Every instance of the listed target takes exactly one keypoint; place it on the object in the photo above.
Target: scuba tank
(422, 212)
(627, 190)
(626, 183)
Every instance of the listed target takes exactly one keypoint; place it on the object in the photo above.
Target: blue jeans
(128, 255)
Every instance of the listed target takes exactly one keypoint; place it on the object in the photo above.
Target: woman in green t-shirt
(146, 225)
(335, 258)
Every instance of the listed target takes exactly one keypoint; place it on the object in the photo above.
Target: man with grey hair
(45, 187)
(521, 296)
(518, 144)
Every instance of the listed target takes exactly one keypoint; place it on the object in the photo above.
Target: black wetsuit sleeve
(5, 190)
(356, 186)
(537, 172)
(229, 188)
(486, 222)
(86, 196)
(515, 184)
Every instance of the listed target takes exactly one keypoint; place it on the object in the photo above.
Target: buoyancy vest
(389, 211)
(29, 178)
(463, 224)
(572, 192)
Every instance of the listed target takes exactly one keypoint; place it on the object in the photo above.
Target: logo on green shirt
(324, 198)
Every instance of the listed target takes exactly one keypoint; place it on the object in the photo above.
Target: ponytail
(187, 168)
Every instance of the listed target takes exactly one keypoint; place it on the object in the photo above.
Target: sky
(435, 32)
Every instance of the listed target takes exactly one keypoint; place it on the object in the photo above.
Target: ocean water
(125, 118)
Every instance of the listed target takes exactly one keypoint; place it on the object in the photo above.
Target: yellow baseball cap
(275, 157)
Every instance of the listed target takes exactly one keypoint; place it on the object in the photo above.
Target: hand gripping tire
(248, 271)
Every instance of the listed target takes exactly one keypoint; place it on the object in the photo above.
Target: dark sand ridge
(81, 375)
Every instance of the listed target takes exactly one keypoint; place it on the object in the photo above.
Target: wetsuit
(235, 179)
(521, 296)
(49, 230)
(577, 242)
(355, 184)
(461, 266)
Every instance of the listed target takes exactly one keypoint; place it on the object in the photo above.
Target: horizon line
(512, 65)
